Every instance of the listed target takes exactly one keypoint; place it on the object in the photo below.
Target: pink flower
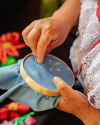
(28, 121)
(5, 122)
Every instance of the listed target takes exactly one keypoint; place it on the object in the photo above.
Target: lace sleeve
(92, 76)
(86, 50)
(81, 1)
(94, 96)
(89, 25)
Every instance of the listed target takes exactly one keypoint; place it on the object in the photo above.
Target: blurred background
(15, 15)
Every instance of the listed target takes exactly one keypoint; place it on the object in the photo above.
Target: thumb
(62, 87)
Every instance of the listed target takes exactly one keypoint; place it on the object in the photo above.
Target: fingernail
(56, 80)
(39, 61)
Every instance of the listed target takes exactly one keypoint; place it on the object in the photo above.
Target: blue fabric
(44, 74)
(18, 90)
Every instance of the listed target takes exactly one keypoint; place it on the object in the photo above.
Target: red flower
(9, 43)
(12, 110)
(4, 113)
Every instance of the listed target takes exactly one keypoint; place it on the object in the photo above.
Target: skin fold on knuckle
(41, 22)
(41, 44)
(24, 33)
(48, 27)
(29, 37)
(30, 41)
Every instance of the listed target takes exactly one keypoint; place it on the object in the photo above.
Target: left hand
(76, 103)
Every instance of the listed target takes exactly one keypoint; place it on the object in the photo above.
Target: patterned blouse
(85, 51)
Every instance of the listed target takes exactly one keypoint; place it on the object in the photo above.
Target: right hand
(76, 103)
(44, 35)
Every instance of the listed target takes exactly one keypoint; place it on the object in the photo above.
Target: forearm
(87, 113)
(69, 12)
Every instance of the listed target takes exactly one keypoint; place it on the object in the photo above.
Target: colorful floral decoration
(25, 119)
(28, 121)
(5, 122)
(98, 10)
(13, 110)
(9, 43)
(10, 60)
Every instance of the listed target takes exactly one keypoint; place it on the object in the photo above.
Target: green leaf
(10, 60)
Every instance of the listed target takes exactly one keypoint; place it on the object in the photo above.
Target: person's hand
(74, 102)
(44, 35)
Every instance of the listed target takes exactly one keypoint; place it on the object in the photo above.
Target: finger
(33, 38)
(53, 45)
(26, 31)
(43, 42)
(62, 87)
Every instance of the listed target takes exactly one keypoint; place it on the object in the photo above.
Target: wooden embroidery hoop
(35, 86)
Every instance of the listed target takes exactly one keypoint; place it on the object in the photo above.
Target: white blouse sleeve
(86, 61)
(91, 74)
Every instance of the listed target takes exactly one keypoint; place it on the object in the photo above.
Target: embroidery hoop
(34, 85)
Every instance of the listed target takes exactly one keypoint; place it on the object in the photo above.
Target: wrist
(98, 123)
(91, 115)
(87, 113)
(62, 19)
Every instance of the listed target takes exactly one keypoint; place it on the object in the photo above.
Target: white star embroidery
(58, 69)
(50, 60)
(68, 68)
(57, 63)
(51, 69)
